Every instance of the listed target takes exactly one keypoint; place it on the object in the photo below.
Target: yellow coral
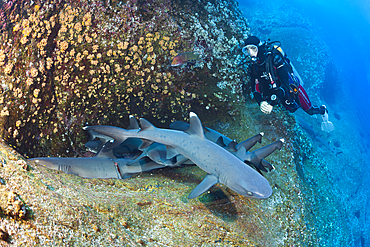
(16, 27)
(29, 82)
(4, 112)
(24, 40)
(63, 46)
(8, 68)
(87, 20)
(95, 48)
(42, 43)
(88, 39)
(34, 72)
(134, 48)
(78, 27)
(80, 39)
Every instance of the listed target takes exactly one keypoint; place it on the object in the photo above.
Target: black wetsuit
(264, 88)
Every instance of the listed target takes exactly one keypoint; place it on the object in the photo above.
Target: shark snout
(258, 188)
(263, 193)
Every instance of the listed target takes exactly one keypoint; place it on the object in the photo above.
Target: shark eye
(250, 193)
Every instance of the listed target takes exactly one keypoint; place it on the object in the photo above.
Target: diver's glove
(265, 107)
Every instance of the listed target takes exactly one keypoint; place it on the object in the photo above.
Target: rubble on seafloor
(65, 63)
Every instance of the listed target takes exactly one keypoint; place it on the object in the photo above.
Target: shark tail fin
(265, 151)
(256, 158)
(250, 142)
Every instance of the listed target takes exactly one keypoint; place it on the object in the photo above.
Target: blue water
(344, 25)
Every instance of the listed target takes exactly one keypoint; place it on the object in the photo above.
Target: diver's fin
(205, 185)
(326, 125)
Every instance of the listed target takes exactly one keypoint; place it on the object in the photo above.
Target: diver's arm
(255, 88)
(257, 97)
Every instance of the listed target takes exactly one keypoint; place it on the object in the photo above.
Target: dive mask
(250, 50)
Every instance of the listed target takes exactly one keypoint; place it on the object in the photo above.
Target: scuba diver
(274, 80)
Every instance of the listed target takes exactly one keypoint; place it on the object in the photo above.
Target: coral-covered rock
(70, 63)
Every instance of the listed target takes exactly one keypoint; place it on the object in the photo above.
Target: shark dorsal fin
(232, 146)
(220, 142)
(145, 124)
(133, 123)
(195, 127)
(241, 153)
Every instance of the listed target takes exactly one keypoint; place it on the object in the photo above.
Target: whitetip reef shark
(221, 165)
(104, 165)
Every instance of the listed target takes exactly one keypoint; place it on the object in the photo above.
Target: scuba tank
(295, 79)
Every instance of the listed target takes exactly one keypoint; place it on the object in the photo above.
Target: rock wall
(68, 63)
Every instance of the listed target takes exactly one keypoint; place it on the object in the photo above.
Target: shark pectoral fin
(145, 144)
(267, 165)
(205, 185)
(171, 152)
(195, 127)
(106, 152)
(182, 160)
(93, 146)
(188, 162)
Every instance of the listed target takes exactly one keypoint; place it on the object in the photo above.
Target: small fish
(183, 58)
